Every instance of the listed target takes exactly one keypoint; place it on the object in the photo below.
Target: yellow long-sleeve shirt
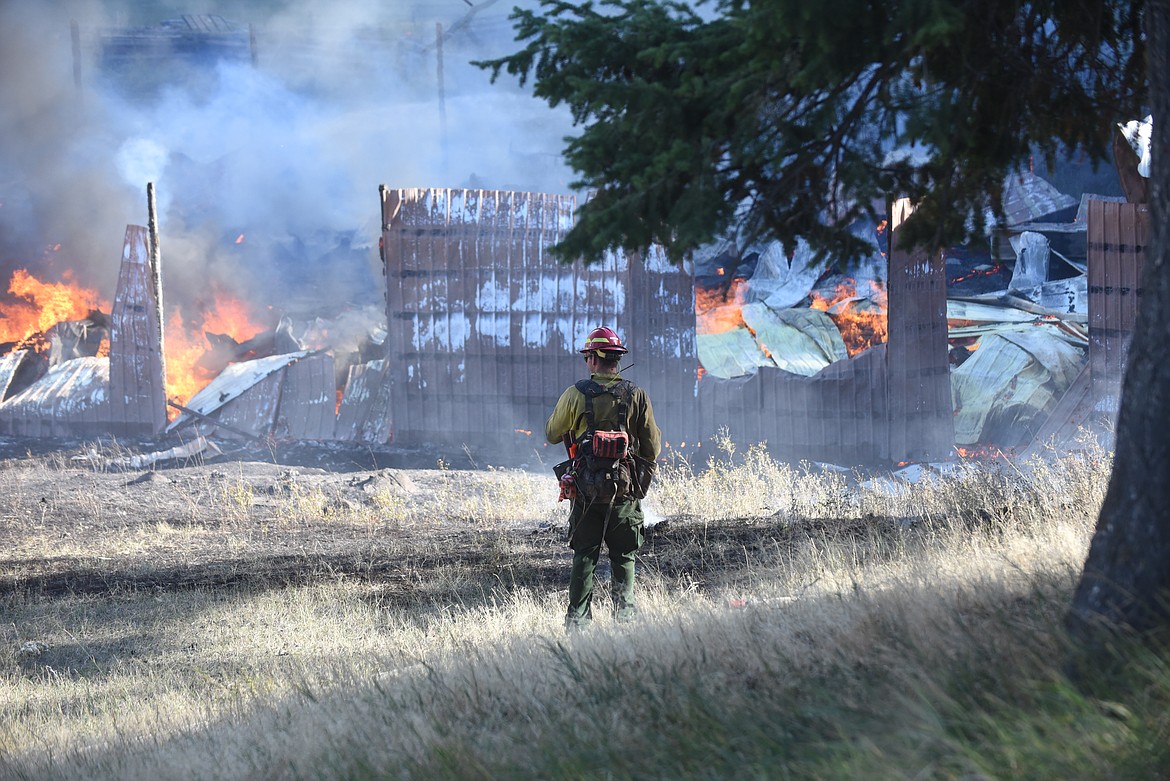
(568, 417)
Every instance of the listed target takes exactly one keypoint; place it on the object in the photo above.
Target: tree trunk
(1125, 586)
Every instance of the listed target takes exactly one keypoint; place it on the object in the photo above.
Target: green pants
(619, 526)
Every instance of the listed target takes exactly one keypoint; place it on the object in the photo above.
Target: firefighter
(615, 520)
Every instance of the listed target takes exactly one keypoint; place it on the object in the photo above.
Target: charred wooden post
(156, 273)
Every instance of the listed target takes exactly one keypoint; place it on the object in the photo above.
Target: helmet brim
(609, 354)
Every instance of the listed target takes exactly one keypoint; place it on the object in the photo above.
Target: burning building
(78, 378)
(269, 322)
(483, 323)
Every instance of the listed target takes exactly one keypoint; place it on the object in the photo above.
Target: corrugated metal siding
(364, 415)
(9, 365)
(137, 389)
(658, 325)
(837, 414)
(890, 402)
(922, 423)
(1071, 413)
(482, 322)
(308, 400)
(245, 397)
(484, 327)
(253, 411)
(1117, 237)
(70, 400)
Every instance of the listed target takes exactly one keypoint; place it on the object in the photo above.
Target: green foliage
(782, 118)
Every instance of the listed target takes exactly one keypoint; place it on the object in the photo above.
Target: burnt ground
(73, 522)
(74, 519)
(334, 456)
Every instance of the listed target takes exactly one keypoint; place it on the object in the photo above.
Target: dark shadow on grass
(402, 575)
(465, 565)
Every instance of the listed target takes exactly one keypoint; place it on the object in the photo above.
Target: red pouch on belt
(610, 444)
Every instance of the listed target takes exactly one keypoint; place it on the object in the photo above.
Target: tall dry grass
(872, 628)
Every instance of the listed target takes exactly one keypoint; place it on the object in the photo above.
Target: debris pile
(1017, 313)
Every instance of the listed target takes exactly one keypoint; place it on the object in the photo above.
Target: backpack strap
(622, 391)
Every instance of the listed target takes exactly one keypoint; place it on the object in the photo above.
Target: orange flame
(37, 306)
(981, 451)
(186, 343)
(41, 305)
(717, 311)
(860, 329)
(982, 271)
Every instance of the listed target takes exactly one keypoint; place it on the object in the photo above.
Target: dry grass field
(244, 619)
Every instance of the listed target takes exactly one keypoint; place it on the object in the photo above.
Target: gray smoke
(286, 153)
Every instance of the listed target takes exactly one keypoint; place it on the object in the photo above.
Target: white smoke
(287, 153)
(140, 160)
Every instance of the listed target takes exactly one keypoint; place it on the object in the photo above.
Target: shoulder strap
(622, 391)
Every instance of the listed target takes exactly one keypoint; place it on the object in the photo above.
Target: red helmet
(603, 340)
